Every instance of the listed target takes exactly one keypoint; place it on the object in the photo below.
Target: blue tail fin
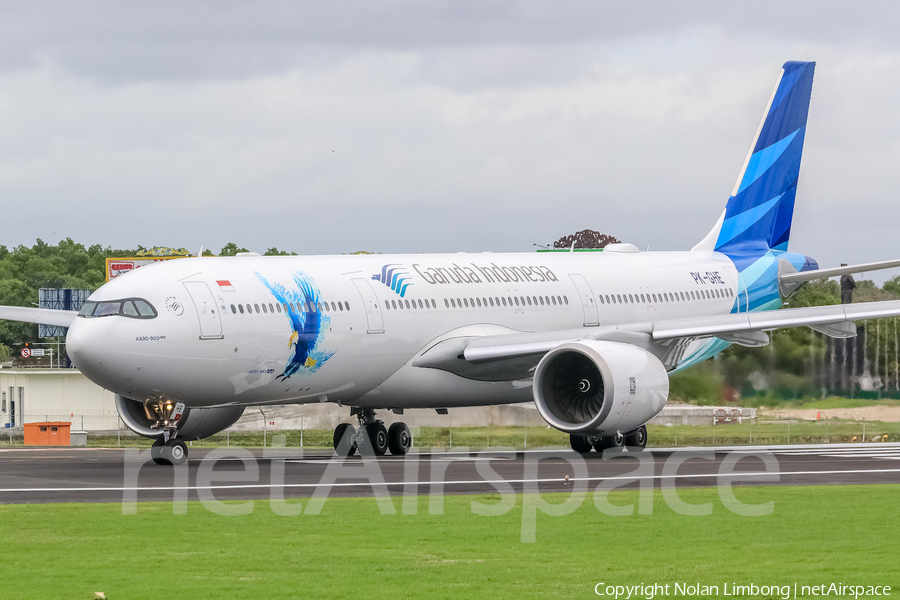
(758, 214)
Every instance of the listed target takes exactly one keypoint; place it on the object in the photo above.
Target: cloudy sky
(399, 126)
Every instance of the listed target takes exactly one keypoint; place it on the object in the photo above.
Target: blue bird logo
(307, 325)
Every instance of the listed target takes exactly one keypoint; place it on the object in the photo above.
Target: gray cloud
(410, 127)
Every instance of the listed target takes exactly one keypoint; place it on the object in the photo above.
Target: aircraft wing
(742, 328)
(827, 319)
(42, 316)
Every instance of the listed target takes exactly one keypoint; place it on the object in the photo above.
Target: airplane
(590, 337)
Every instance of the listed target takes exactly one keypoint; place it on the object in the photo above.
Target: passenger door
(588, 304)
(370, 303)
(205, 305)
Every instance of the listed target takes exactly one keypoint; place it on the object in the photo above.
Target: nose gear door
(205, 305)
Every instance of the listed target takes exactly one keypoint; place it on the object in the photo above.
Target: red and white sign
(26, 352)
(119, 266)
(225, 285)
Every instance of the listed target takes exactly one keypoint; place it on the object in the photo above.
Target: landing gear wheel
(399, 439)
(375, 442)
(173, 452)
(580, 443)
(637, 439)
(610, 442)
(177, 452)
(158, 453)
(345, 440)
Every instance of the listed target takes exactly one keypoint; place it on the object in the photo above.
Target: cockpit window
(144, 308)
(105, 309)
(133, 308)
(128, 309)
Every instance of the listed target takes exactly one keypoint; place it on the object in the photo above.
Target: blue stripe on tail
(756, 229)
(758, 216)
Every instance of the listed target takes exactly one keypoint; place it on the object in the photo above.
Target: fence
(747, 432)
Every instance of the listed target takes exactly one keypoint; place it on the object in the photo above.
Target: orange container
(51, 433)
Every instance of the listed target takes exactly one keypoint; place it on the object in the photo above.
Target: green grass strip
(823, 534)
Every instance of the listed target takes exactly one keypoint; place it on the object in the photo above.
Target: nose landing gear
(371, 438)
(164, 416)
(172, 452)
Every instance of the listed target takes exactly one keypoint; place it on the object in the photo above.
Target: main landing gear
(635, 441)
(372, 438)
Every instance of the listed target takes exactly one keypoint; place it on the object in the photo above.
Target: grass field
(843, 534)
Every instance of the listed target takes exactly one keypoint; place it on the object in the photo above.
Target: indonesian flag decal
(225, 285)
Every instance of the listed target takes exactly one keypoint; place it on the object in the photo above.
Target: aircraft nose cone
(86, 346)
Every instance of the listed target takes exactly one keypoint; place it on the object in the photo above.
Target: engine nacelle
(195, 423)
(596, 387)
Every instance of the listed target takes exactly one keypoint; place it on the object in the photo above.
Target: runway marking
(888, 453)
(435, 458)
(777, 448)
(251, 486)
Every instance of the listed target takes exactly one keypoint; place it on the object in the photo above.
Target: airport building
(32, 395)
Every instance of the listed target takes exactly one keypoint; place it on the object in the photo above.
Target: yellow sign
(160, 252)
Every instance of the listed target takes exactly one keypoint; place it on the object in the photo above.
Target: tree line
(797, 363)
(24, 270)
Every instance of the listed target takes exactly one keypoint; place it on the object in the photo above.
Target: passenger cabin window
(132, 308)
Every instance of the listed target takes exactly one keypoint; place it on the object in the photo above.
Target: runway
(47, 475)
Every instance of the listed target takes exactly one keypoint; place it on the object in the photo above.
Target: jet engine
(192, 424)
(596, 387)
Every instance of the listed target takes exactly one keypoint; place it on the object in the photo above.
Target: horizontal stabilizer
(837, 271)
(42, 316)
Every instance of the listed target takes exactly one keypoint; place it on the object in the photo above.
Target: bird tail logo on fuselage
(394, 277)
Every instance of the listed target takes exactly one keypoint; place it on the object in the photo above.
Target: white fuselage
(234, 330)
